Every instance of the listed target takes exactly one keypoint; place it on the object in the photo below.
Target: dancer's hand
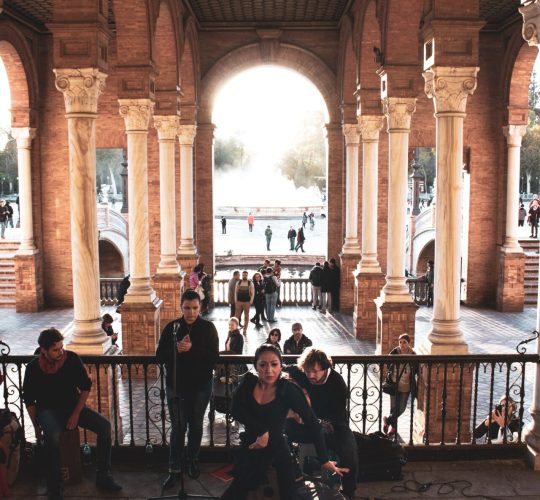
(331, 467)
(261, 442)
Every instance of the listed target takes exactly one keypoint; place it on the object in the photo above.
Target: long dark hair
(273, 330)
(267, 348)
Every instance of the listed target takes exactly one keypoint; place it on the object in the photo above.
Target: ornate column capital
(370, 126)
(399, 111)
(186, 134)
(514, 133)
(167, 127)
(449, 87)
(351, 133)
(531, 22)
(23, 136)
(136, 113)
(81, 88)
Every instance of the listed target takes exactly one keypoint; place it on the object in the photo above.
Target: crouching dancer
(55, 389)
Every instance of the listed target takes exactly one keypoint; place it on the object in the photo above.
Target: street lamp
(416, 179)
(124, 175)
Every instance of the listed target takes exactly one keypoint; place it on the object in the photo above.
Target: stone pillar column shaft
(449, 88)
(369, 128)
(513, 134)
(167, 128)
(81, 89)
(24, 137)
(186, 137)
(136, 114)
(352, 139)
(398, 112)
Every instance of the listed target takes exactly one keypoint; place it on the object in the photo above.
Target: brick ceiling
(238, 13)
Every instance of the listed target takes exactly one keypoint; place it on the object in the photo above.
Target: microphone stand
(182, 493)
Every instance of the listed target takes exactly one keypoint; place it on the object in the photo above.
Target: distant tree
(8, 163)
(427, 161)
(229, 152)
(305, 162)
(530, 157)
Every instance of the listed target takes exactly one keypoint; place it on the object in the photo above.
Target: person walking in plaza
(534, 216)
(430, 275)
(300, 238)
(231, 296)
(189, 348)
(55, 389)
(10, 214)
(258, 300)
(277, 274)
(326, 288)
(297, 342)
(223, 225)
(404, 377)
(3, 218)
(271, 285)
(315, 278)
(244, 295)
(522, 214)
(304, 220)
(335, 284)
(268, 235)
(291, 235)
(250, 221)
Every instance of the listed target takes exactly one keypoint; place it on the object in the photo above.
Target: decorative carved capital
(23, 136)
(449, 87)
(136, 113)
(399, 111)
(514, 133)
(370, 126)
(81, 88)
(167, 127)
(531, 22)
(186, 134)
(351, 133)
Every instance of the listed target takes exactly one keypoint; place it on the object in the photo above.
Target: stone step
(6, 303)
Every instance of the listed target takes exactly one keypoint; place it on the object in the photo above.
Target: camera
(499, 409)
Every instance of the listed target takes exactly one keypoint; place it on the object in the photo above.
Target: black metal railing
(455, 395)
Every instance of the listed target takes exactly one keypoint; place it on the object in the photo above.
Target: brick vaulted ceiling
(218, 14)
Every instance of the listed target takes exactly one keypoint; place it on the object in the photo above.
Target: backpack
(243, 292)
(269, 284)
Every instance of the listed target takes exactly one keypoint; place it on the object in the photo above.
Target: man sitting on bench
(327, 392)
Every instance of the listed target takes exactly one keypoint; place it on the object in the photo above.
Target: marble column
(81, 89)
(511, 275)
(28, 262)
(395, 308)
(368, 277)
(449, 88)
(187, 251)
(140, 310)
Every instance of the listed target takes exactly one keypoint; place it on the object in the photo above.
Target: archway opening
(270, 161)
(111, 264)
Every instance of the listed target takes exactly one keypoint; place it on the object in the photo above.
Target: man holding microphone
(189, 348)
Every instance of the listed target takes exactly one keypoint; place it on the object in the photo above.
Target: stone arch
(22, 76)
(427, 253)
(189, 73)
(289, 56)
(111, 261)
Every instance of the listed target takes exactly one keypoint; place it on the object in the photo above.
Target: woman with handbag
(400, 382)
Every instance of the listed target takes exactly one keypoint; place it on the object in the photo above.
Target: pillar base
(510, 288)
(187, 262)
(168, 287)
(393, 319)
(29, 283)
(367, 287)
(140, 327)
(349, 262)
(438, 390)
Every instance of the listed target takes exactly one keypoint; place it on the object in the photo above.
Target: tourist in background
(297, 342)
(251, 221)
(271, 285)
(315, 278)
(522, 214)
(258, 301)
(106, 325)
(274, 338)
(277, 274)
(300, 238)
(223, 225)
(326, 287)
(231, 297)
(206, 286)
(503, 421)
(335, 284)
(235, 341)
(268, 235)
(3, 218)
(534, 215)
(244, 295)
(10, 214)
(291, 235)
(304, 220)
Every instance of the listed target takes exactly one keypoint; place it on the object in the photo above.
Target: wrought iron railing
(294, 291)
(455, 394)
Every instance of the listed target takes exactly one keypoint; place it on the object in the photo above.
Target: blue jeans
(398, 404)
(187, 411)
(271, 301)
(3, 226)
(53, 423)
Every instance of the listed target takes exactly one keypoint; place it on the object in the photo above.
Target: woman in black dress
(261, 403)
(258, 300)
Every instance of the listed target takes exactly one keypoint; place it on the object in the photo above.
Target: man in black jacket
(189, 348)
(55, 389)
(297, 342)
(315, 278)
(328, 396)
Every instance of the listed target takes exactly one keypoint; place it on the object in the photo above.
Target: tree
(229, 152)
(8, 163)
(530, 156)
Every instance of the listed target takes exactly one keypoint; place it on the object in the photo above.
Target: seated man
(55, 389)
(328, 393)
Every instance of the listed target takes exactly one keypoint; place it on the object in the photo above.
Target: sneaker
(253, 320)
(108, 483)
(194, 470)
(170, 481)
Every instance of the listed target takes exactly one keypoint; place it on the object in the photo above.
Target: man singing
(55, 389)
(190, 347)
(328, 395)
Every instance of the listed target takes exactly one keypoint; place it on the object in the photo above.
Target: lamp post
(416, 178)
(124, 175)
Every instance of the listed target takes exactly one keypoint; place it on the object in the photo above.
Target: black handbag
(389, 386)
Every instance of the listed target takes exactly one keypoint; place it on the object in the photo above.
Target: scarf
(51, 368)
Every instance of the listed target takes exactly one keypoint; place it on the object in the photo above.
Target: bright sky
(5, 102)
(265, 107)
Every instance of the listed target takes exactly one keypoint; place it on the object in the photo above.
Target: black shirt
(58, 391)
(193, 368)
(293, 347)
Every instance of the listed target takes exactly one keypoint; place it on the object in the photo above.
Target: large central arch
(308, 65)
